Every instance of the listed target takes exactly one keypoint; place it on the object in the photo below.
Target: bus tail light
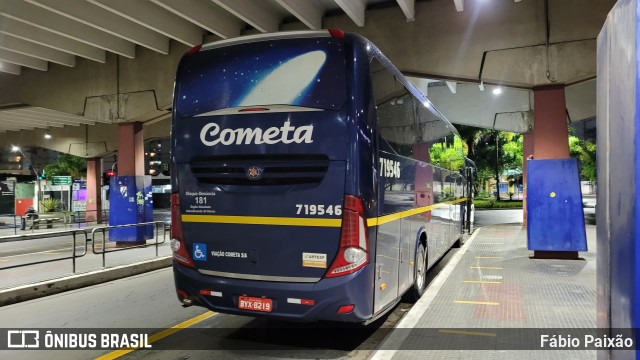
(194, 50)
(336, 33)
(180, 253)
(354, 240)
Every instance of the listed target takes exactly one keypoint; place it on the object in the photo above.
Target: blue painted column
(130, 191)
(550, 141)
(618, 206)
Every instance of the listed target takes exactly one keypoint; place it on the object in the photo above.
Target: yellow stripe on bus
(403, 214)
(318, 222)
(262, 220)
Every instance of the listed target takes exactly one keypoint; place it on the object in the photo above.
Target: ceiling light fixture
(47, 135)
(497, 91)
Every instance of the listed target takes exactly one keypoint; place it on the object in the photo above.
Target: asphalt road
(148, 302)
(485, 217)
(490, 217)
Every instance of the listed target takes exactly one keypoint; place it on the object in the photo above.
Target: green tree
(585, 152)
(68, 165)
(447, 155)
(511, 151)
(491, 162)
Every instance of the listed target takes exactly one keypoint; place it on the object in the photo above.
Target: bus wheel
(420, 274)
(458, 243)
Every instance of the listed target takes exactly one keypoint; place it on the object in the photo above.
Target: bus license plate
(255, 304)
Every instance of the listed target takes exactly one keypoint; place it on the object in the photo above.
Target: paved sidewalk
(495, 285)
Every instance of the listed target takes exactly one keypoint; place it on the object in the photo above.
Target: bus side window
(394, 110)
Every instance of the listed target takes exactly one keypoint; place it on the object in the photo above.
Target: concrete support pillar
(551, 139)
(130, 163)
(550, 124)
(130, 149)
(94, 195)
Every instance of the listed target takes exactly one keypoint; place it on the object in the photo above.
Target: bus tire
(419, 274)
(458, 243)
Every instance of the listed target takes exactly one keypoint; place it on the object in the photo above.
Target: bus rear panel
(259, 213)
(311, 180)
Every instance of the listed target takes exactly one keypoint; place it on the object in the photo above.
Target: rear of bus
(265, 220)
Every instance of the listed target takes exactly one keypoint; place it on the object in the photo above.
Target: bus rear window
(296, 72)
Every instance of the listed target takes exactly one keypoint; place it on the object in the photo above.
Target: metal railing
(13, 221)
(81, 238)
(48, 219)
(74, 253)
(157, 226)
(80, 216)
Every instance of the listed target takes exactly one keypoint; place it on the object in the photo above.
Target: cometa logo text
(211, 135)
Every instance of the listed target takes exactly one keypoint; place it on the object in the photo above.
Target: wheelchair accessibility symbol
(199, 251)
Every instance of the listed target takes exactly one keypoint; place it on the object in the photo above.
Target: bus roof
(371, 47)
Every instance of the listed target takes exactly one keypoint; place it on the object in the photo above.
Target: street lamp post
(35, 171)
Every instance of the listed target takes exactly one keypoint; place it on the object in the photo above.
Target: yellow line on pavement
(159, 336)
(485, 267)
(482, 282)
(460, 332)
(475, 302)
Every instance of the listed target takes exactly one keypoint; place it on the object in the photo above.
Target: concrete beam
(568, 63)
(421, 84)
(204, 14)
(10, 68)
(579, 98)
(106, 21)
(11, 43)
(306, 11)
(452, 86)
(253, 14)
(43, 37)
(422, 49)
(459, 5)
(408, 8)
(22, 60)
(39, 17)
(155, 18)
(19, 120)
(8, 126)
(355, 9)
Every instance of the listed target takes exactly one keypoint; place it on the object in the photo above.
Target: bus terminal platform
(490, 292)
(484, 292)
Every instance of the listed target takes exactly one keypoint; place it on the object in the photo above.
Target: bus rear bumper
(321, 299)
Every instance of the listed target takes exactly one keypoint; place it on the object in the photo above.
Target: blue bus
(311, 180)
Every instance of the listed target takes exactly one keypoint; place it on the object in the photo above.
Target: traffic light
(106, 176)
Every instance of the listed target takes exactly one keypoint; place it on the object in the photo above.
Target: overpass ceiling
(20, 117)
(34, 33)
(501, 108)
